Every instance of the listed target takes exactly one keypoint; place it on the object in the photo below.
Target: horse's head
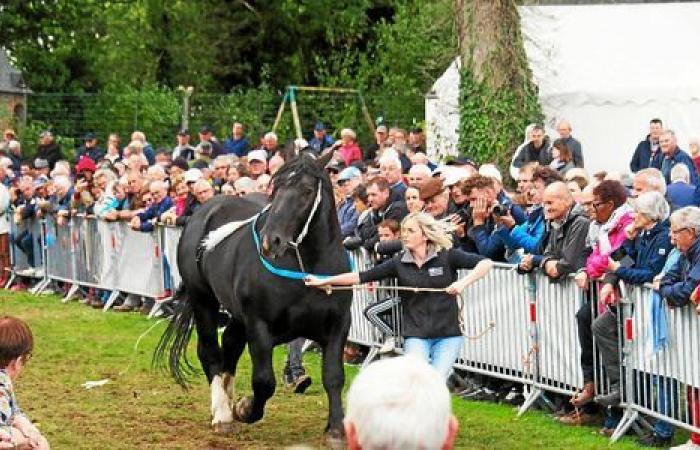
(298, 191)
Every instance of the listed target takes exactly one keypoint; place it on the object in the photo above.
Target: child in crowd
(16, 343)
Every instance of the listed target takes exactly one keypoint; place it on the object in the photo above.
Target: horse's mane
(291, 171)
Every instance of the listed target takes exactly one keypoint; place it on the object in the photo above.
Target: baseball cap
(349, 173)
(205, 129)
(183, 132)
(257, 155)
(41, 163)
(89, 136)
(193, 175)
(320, 126)
(46, 133)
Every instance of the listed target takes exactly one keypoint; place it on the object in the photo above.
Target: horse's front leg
(251, 409)
(333, 381)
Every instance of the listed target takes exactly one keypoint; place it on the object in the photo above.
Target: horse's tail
(173, 343)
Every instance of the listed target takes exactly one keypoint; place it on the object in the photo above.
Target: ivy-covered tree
(497, 96)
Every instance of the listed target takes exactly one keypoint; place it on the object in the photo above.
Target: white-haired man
(680, 193)
(161, 204)
(418, 174)
(673, 155)
(390, 166)
(399, 404)
(648, 180)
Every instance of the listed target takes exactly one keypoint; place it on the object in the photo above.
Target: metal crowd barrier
(518, 328)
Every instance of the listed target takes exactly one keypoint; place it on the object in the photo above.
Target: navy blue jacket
(679, 282)
(680, 194)
(642, 157)
(679, 157)
(154, 212)
(649, 251)
(488, 242)
(239, 147)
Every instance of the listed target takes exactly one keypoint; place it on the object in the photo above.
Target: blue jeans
(441, 353)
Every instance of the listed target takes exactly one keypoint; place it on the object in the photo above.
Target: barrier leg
(110, 301)
(10, 280)
(371, 356)
(534, 395)
(71, 293)
(40, 286)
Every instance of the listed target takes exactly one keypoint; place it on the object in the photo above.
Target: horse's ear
(288, 152)
(325, 158)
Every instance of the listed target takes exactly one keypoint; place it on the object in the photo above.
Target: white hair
(244, 184)
(653, 205)
(270, 135)
(348, 132)
(223, 159)
(688, 217)
(491, 171)
(158, 185)
(653, 178)
(680, 172)
(420, 169)
(262, 182)
(62, 181)
(390, 160)
(399, 403)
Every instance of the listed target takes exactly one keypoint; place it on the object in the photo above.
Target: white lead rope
(460, 302)
(305, 230)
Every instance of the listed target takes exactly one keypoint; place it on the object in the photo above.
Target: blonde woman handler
(430, 319)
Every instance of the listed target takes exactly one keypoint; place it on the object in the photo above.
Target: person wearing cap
(237, 144)
(183, 149)
(41, 167)
(89, 149)
(380, 141)
(48, 149)
(207, 135)
(348, 180)
(436, 198)
(321, 139)
(257, 163)
(202, 155)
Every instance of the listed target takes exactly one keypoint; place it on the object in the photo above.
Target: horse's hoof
(223, 428)
(335, 439)
(242, 410)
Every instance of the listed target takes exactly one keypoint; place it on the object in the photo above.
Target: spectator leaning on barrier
(430, 320)
(529, 235)
(679, 287)
(672, 155)
(612, 214)
(399, 404)
(4, 235)
(680, 193)
(638, 260)
(161, 203)
(61, 199)
(647, 152)
(484, 208)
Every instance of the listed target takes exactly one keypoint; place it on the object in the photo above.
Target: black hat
(181, 163)
(183, 132)
(89, 137)
(205, 129)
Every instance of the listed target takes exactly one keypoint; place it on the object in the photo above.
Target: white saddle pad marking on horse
(215, 237)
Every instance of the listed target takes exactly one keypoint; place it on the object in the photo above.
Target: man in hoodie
(647, 152)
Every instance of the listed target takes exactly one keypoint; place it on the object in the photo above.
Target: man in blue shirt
(321, 140)
(673, 155)
(237, 144)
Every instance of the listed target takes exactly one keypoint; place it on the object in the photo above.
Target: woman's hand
(607, 294)
(631, 231)
(613, 265)
(581, 280)
(455, 288)
(316, 282)
(656, 284)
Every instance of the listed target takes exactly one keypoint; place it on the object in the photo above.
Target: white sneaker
(690, 445)
(388, 346)
(26, 272)
(39, 273)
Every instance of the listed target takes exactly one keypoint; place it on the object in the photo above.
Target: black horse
(298, 232)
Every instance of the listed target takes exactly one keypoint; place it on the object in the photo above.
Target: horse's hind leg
(260, 344)
(233, 343)
(209, 352)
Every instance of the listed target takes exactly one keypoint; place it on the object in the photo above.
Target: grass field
(141, 408)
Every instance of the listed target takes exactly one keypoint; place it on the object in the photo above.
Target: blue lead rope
(286, 273)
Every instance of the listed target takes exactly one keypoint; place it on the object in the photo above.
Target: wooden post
(279, 112)
(295, 112)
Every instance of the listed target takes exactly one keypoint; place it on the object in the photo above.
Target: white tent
(609, 69)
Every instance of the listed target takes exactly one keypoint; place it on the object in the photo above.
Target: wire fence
(161, 112)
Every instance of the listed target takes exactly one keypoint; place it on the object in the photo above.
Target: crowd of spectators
(559, 219)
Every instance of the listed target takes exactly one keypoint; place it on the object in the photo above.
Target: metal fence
(518, 328)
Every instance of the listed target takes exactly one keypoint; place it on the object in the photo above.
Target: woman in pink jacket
(610, 216)
(347, 149)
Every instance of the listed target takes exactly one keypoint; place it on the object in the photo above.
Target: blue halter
(286, 273)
